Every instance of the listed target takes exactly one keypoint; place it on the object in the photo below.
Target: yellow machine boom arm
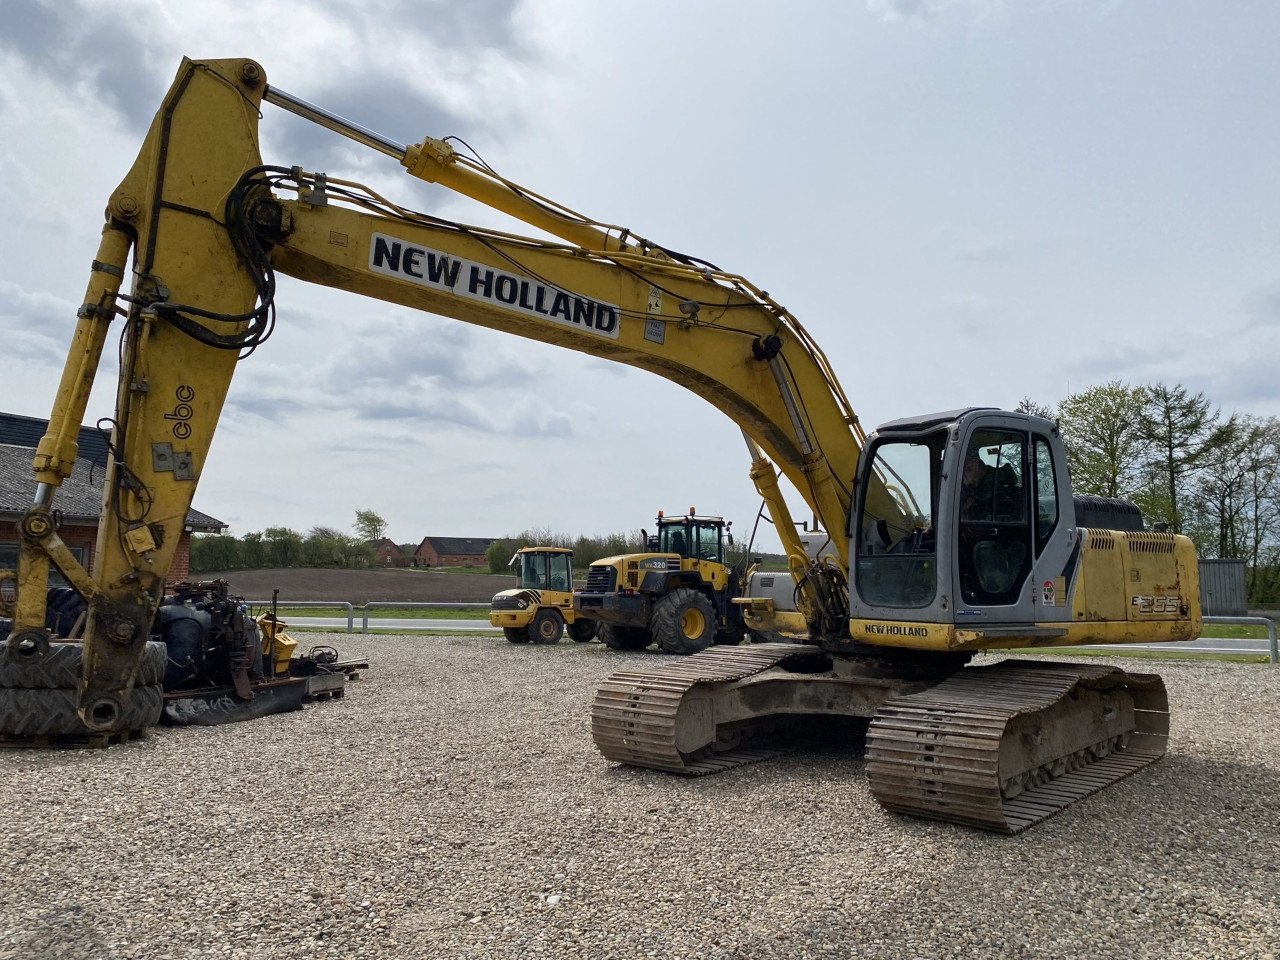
(208, 224)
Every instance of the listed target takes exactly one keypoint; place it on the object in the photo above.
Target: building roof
(21, 431)
(80, 496)
(457, 546)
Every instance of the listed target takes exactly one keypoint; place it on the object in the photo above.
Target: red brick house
(79, 499)
(452, 552)
(389, 554)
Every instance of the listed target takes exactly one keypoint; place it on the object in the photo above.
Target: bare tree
(1029, 405)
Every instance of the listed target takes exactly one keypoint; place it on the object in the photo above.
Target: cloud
(1263, 305)
(894, 10)
(393, 369)
(65, 42)
(400, 349)
(36, 325)
(922, 11)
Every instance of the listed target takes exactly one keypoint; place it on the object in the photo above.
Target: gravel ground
(452, 805)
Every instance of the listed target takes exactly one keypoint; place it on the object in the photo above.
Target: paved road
(1204, 644)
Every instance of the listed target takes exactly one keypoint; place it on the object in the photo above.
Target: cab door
(1013, 539)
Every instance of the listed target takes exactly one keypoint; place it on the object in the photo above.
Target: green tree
(325, 547)
(1235, 504)
(370, 526)
(1263, 517)
(1183, 432)
(282, 547)
(253, 552)
(1104, 446)
(214, 552)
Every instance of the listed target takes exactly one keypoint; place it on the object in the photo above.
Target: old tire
(547, 627)
(52, 712)
(623, 638)
(60, 667)
(582, 630)
(516, 634)
(63, 608)
(683, 622)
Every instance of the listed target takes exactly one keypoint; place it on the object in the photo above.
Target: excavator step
(1004, 747)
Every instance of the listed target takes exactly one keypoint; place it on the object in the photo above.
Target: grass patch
(1227, 631)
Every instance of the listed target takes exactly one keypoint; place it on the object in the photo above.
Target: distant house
(389, 554)
(452, 552)
(78, 500)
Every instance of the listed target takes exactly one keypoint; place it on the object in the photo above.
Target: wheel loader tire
(623, 638)
(582, 630)
(59, 669)
(683, 622)
(516, 634)
(52, 713)
(730, 636)
(547, 627)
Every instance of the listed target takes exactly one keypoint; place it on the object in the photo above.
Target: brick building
(78, 500)
(390, 554)
(452, 552)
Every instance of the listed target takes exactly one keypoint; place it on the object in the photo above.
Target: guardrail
(390, 605)
(1254, 622)
(351, 610)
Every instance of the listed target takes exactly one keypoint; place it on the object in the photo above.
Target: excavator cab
(963, 519)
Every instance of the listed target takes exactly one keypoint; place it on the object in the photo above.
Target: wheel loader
(541, 607)
(679, 595)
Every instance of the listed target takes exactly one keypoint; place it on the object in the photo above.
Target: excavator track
(1006, 746)
(634, 718)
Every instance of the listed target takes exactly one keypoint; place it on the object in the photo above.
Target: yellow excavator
(955, 533)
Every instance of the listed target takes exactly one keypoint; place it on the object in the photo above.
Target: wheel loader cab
(693, 538)
(544, 570)
(960, 520)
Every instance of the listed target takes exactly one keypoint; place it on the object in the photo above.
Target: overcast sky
(964, 201)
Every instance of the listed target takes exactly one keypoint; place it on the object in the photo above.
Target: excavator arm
(208, 224)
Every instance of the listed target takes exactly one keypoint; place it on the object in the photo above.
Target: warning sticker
(1048, 594)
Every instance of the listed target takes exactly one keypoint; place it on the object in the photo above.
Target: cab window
(994, 537)
(561, 574)
(707, 545)
(894, 537)
(1046, 495)
(533, 571)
